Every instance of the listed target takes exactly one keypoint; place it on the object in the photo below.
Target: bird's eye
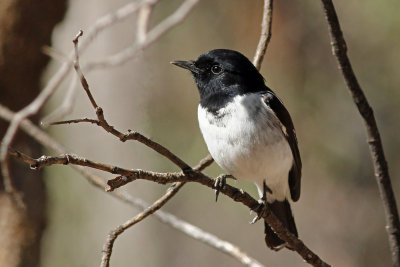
(216, 69)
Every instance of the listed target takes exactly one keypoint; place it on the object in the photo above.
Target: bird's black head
(221, 74)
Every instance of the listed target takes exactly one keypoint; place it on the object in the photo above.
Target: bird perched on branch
(248, 131)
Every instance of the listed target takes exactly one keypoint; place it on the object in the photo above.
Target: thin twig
(210, 239)
(21, 156)
(75, 121)
(9, 187)
(164, 217)
(271, 219)
(143, 21)
(265, 35)
(31, 109)
(65, 107)
(112, 236)
(123, 56)
(100, 25)
(193, 230)
(204, 163)
(78, 70)
(110, 129)
(234, 193)
(131, 175)
(339, 49)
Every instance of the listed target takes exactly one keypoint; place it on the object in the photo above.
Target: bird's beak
(189, 65)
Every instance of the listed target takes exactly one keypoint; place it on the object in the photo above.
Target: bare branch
(143, 21)
(129, 175)
(51, 86)
(110, 129)
(339, 49)
(297, 244)
(108, 246)
(29, 110)
(204, 163)
(78, 70)
(8, 185)
(210, 239)
(265, 36)
(123, 56)
(188, 174)
(21, 156)
(164, 217)
(65, 107)
(101, 24)
(194, 231)
(237, 195)
(214, 241)
(75, 121)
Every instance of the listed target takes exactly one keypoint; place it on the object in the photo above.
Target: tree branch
(339, 49)
(64, 108)
(164, 217)
(265, 35)
(187, 174)
(128, 53)
(122, 57)
(108, 246)
(237, 195)
(101, 121)
(130, 175)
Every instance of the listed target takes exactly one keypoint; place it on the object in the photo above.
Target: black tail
(282, 210)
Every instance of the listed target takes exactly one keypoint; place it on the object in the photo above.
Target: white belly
(245, 139)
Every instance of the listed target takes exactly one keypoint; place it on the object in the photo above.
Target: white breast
(246, 140)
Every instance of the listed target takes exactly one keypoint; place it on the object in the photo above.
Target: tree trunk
(25, 27)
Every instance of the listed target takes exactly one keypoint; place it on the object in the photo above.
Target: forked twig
(112, 236)
(165, 217)
(237, 195)
(100, 25)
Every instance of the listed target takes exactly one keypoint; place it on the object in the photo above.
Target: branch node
(79, 34)
(67, 159)
(99, 111)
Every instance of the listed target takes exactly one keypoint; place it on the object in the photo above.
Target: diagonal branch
(237, 195)
(50, 88)
(339, 49)
(128, 53)
(99, 26)
(108, 246)
(130, 135)
(164, 217)
(206, 237)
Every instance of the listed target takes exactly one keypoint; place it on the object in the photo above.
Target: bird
(248, 131)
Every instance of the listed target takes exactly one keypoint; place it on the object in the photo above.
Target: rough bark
(25, 27)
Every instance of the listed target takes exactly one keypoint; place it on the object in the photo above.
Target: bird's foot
(260, 209)
(262, 204)
(220, 183)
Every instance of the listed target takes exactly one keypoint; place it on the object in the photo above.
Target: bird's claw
(260, 209)
(220, 183)
(262, 204)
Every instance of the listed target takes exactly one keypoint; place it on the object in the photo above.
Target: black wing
(288, 130)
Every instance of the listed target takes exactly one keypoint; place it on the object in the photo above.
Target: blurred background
(339, 214)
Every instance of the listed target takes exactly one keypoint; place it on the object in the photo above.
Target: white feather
(246, 140)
